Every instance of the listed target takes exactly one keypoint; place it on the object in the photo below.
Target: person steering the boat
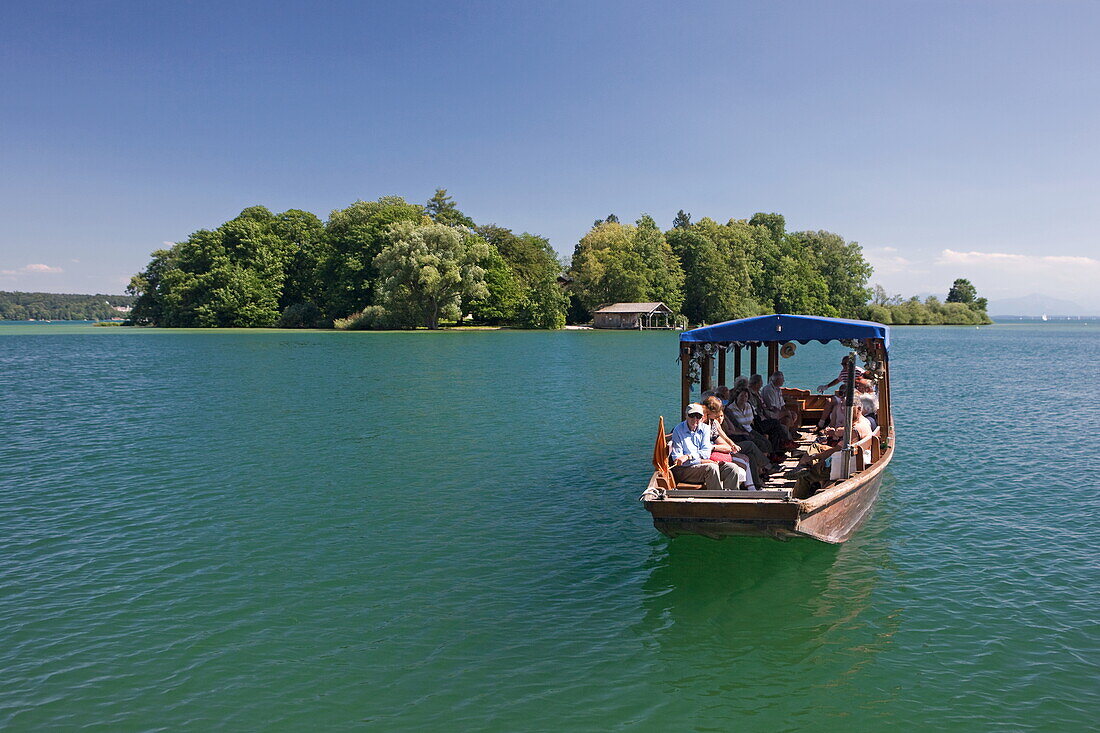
(841, 378)
(690, 454)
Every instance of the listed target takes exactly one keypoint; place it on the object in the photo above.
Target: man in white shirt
(690, 454)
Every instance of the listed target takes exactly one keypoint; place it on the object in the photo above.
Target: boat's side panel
(833, 515)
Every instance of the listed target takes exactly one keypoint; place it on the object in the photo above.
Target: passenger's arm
(683, 452)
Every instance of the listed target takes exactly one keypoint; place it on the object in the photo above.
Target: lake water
(442, 530)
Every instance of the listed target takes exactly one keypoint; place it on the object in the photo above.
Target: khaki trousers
(713, 476)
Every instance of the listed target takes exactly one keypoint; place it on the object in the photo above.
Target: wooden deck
(783, 479)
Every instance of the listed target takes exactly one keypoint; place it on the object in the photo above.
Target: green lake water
(285, 530)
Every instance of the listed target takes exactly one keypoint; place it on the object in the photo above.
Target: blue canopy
(782, 327)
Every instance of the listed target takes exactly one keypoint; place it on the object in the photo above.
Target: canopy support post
(773, 360)
(752, 359)
(736, 362)
(722, 367)
(685, 379)
(707, 375)
(850, 382)
(885, 414)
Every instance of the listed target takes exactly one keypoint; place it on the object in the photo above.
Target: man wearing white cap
(691, 447)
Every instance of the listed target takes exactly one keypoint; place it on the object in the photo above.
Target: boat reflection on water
(739, 622)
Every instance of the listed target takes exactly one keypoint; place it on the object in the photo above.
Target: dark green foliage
(353, 238)
(896, 311)
(230, 277)
(534, 267)
(443, 210)
(304, 232)
(16, 306)
(303, 315)
(615, 263)
(544, 306)
(290, 269)
(504, 293)
(963, 291)
(711, 293)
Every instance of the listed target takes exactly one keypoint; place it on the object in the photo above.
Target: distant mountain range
(1036, 305)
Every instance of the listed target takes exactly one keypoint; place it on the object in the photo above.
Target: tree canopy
(16, 306)
(380, 264)
(389, 263)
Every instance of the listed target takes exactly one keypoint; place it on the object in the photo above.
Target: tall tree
(443, 210)
(774, 223)
(682, 220)
(842, 267)
(536, 268)
(962, 291)
(353, 238)
(304, 233)
(710, 292)
(426, 270)
(232, 276)
(616, 263)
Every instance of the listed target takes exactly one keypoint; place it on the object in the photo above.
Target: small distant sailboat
(1045, 318)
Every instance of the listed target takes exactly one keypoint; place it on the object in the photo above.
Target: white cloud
(995, 274)
(1067, 264)
(41, 269)
(886, 261)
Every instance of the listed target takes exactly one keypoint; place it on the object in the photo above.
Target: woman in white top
(727, 450)
(741, 414)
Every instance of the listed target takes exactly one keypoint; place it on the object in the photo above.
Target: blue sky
(949, 138)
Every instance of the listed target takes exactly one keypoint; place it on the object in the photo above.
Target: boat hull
(830, 516)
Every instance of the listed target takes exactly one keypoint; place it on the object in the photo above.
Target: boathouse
(633, 315)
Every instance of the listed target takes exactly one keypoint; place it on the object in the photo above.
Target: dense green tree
(664, 276)
(776, 224)
(232, 276)
(682, 220)
(504, 292)
(842, 267)
(427, 269)
(962, 291)
(737, 244)
(615, 263)
(536, 268)
(443, 210)
(353, 238)
(711, 294)
(304, 232)
(302, 315)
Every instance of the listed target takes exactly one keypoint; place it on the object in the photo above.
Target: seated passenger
(813, 474)
(841, 378)
(868, 400)
(690, 454)
(748, 456)
(741, 415)
(748, 446)
(777, 432)
(775, 405)
(833, 417)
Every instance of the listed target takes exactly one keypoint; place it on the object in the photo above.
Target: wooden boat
(835, 511)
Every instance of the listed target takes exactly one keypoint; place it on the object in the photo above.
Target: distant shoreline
(115, 326)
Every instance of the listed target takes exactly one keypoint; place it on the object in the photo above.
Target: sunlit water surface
(442, 530)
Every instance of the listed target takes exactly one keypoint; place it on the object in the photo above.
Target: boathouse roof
(784, 328)
(634, 308)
